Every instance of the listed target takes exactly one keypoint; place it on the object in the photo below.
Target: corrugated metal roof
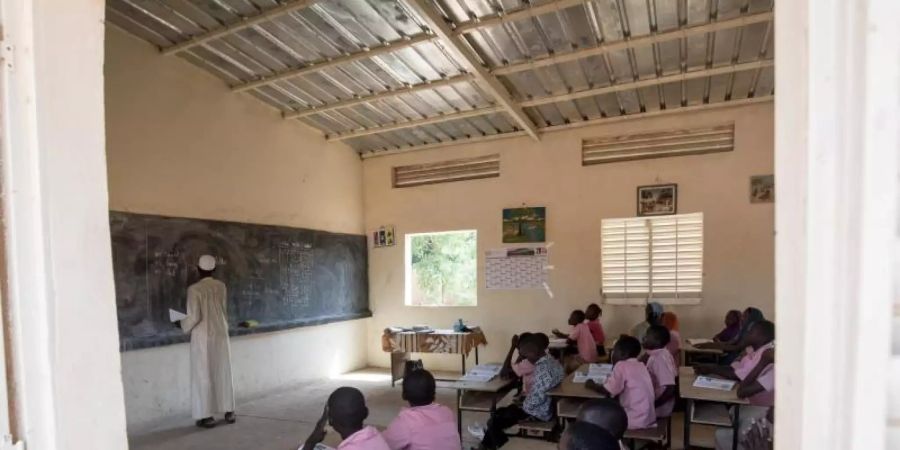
(371, 73)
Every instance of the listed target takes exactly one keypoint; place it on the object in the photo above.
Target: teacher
(652, 313)
(212, 391)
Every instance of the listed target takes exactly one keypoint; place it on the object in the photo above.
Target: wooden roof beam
(244, 23)
(436, 23)
(643, 41)
(416, 123)
(512, 16)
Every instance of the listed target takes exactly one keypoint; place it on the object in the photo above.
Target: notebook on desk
(718, 384)
(697, 341)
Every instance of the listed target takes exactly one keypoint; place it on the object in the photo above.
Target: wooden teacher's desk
(401, 343)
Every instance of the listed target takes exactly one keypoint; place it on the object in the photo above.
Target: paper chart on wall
(516, 268)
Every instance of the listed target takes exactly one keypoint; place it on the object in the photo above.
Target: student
(522, 368)
(732, 327)
(605, 413)
(547, 375)
(734, 348)
(631, 382)
(670, 321)
(651, 317)
(662, 368)
(585, 436)
(755, 369)
(592, 314)
(425, 425)
(345, 411)
(581, 337)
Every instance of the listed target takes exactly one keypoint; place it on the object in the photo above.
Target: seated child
(425, 425)
(585, 436)
(732, 327)
(522, 368)
(345, 411)
(631, 382)
(670, 321)
(581, 337)
(592, 314)
(662, 368)
(755, 369)
(605, 413)
(547, 375)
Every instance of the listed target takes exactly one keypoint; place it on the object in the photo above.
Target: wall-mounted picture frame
(521, 225)
(383, 237)
(657, 200)
(762, 189)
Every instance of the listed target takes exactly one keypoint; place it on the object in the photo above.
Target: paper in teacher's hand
(175, 316)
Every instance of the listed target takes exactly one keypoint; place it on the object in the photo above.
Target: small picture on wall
(524, 225)
(762, 189)
(383, 236)
(658, 200)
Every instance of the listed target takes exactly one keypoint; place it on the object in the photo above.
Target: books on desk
(482, 373)
(597, 372)
(558, 343)
(714, 383)
(697, 341)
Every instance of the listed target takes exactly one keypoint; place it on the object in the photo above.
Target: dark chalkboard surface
(281, 277)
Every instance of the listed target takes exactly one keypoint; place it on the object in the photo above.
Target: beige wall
(739, 238)
(179, 143)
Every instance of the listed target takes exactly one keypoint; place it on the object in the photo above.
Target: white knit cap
(207, 262)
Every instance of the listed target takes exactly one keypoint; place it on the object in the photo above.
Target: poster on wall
(521, 225)
(762, 189)
(516, 268)
(657, 200)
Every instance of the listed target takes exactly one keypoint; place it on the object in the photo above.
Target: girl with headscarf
(652, 313)
(732, 327)
(734, 348)
(670, 321)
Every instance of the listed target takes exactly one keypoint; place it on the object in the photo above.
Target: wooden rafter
(244, 23)
(436, 23)
(380, 96)
(417, 123)
(674, 78)
(316, 66)
(554, 128)
(642, 41)
(512, 16)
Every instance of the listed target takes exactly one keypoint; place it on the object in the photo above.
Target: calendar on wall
(516, 268)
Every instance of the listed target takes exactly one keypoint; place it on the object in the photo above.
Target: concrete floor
(282, 421)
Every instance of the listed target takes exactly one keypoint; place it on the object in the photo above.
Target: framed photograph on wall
(524, 225)
(657, 200)
(762, 189)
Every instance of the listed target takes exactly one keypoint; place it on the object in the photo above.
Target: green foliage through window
(442, 269)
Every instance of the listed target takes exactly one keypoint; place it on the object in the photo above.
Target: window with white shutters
(653, 258)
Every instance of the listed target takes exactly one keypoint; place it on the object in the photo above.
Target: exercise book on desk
(697, 341)
(597, 372)
(482, 373)
(714, 383)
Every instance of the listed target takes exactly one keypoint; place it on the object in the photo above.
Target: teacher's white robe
(212, 391)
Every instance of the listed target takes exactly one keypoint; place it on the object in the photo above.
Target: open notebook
(714, 383)
(597, 372)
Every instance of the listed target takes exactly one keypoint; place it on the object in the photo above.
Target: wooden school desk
(477, 396)
(687, 391)
(570, 395)
(690, 351)
(401, 343)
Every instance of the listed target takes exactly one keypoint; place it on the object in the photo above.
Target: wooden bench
(659, 434)
(567, 408)
(537, 429)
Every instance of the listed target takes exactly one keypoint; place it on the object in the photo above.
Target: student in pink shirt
(592, 314)
(581, 337)
(425, 425)
(631, 382)
(755, 369)
(662, 368)
(346, 411)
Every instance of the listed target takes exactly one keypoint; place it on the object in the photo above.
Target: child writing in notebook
(631, 383)
(662, 368)
(346, 411)
(581, 338)
(592, 314)
(547, 375)
(424, 425)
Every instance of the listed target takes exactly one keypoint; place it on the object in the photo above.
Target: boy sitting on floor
(547, 375)
(425, 425)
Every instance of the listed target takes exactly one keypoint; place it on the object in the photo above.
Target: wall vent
(447, 171)
(664, 144)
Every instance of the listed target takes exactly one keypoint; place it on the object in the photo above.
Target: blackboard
(280, 277)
